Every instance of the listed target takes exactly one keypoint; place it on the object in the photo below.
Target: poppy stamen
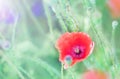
(77, 50)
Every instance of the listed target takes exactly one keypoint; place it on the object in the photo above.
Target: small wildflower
(74, 47)
(5, 45)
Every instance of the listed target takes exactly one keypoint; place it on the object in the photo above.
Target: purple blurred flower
(7, 16)
(37, 8)
(10, 18)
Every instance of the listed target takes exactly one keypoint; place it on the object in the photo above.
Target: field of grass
(29, 30)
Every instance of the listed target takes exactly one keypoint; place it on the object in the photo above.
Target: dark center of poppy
(77, 51)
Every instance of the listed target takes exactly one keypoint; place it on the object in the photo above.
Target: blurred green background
(30, 28)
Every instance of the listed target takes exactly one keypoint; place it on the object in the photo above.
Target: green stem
(49, 18)
(73, 77)
(13, 32)
(62, 68)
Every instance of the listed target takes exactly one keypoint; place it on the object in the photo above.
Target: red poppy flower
(74, 47)
(95, 74)
(114, 7)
